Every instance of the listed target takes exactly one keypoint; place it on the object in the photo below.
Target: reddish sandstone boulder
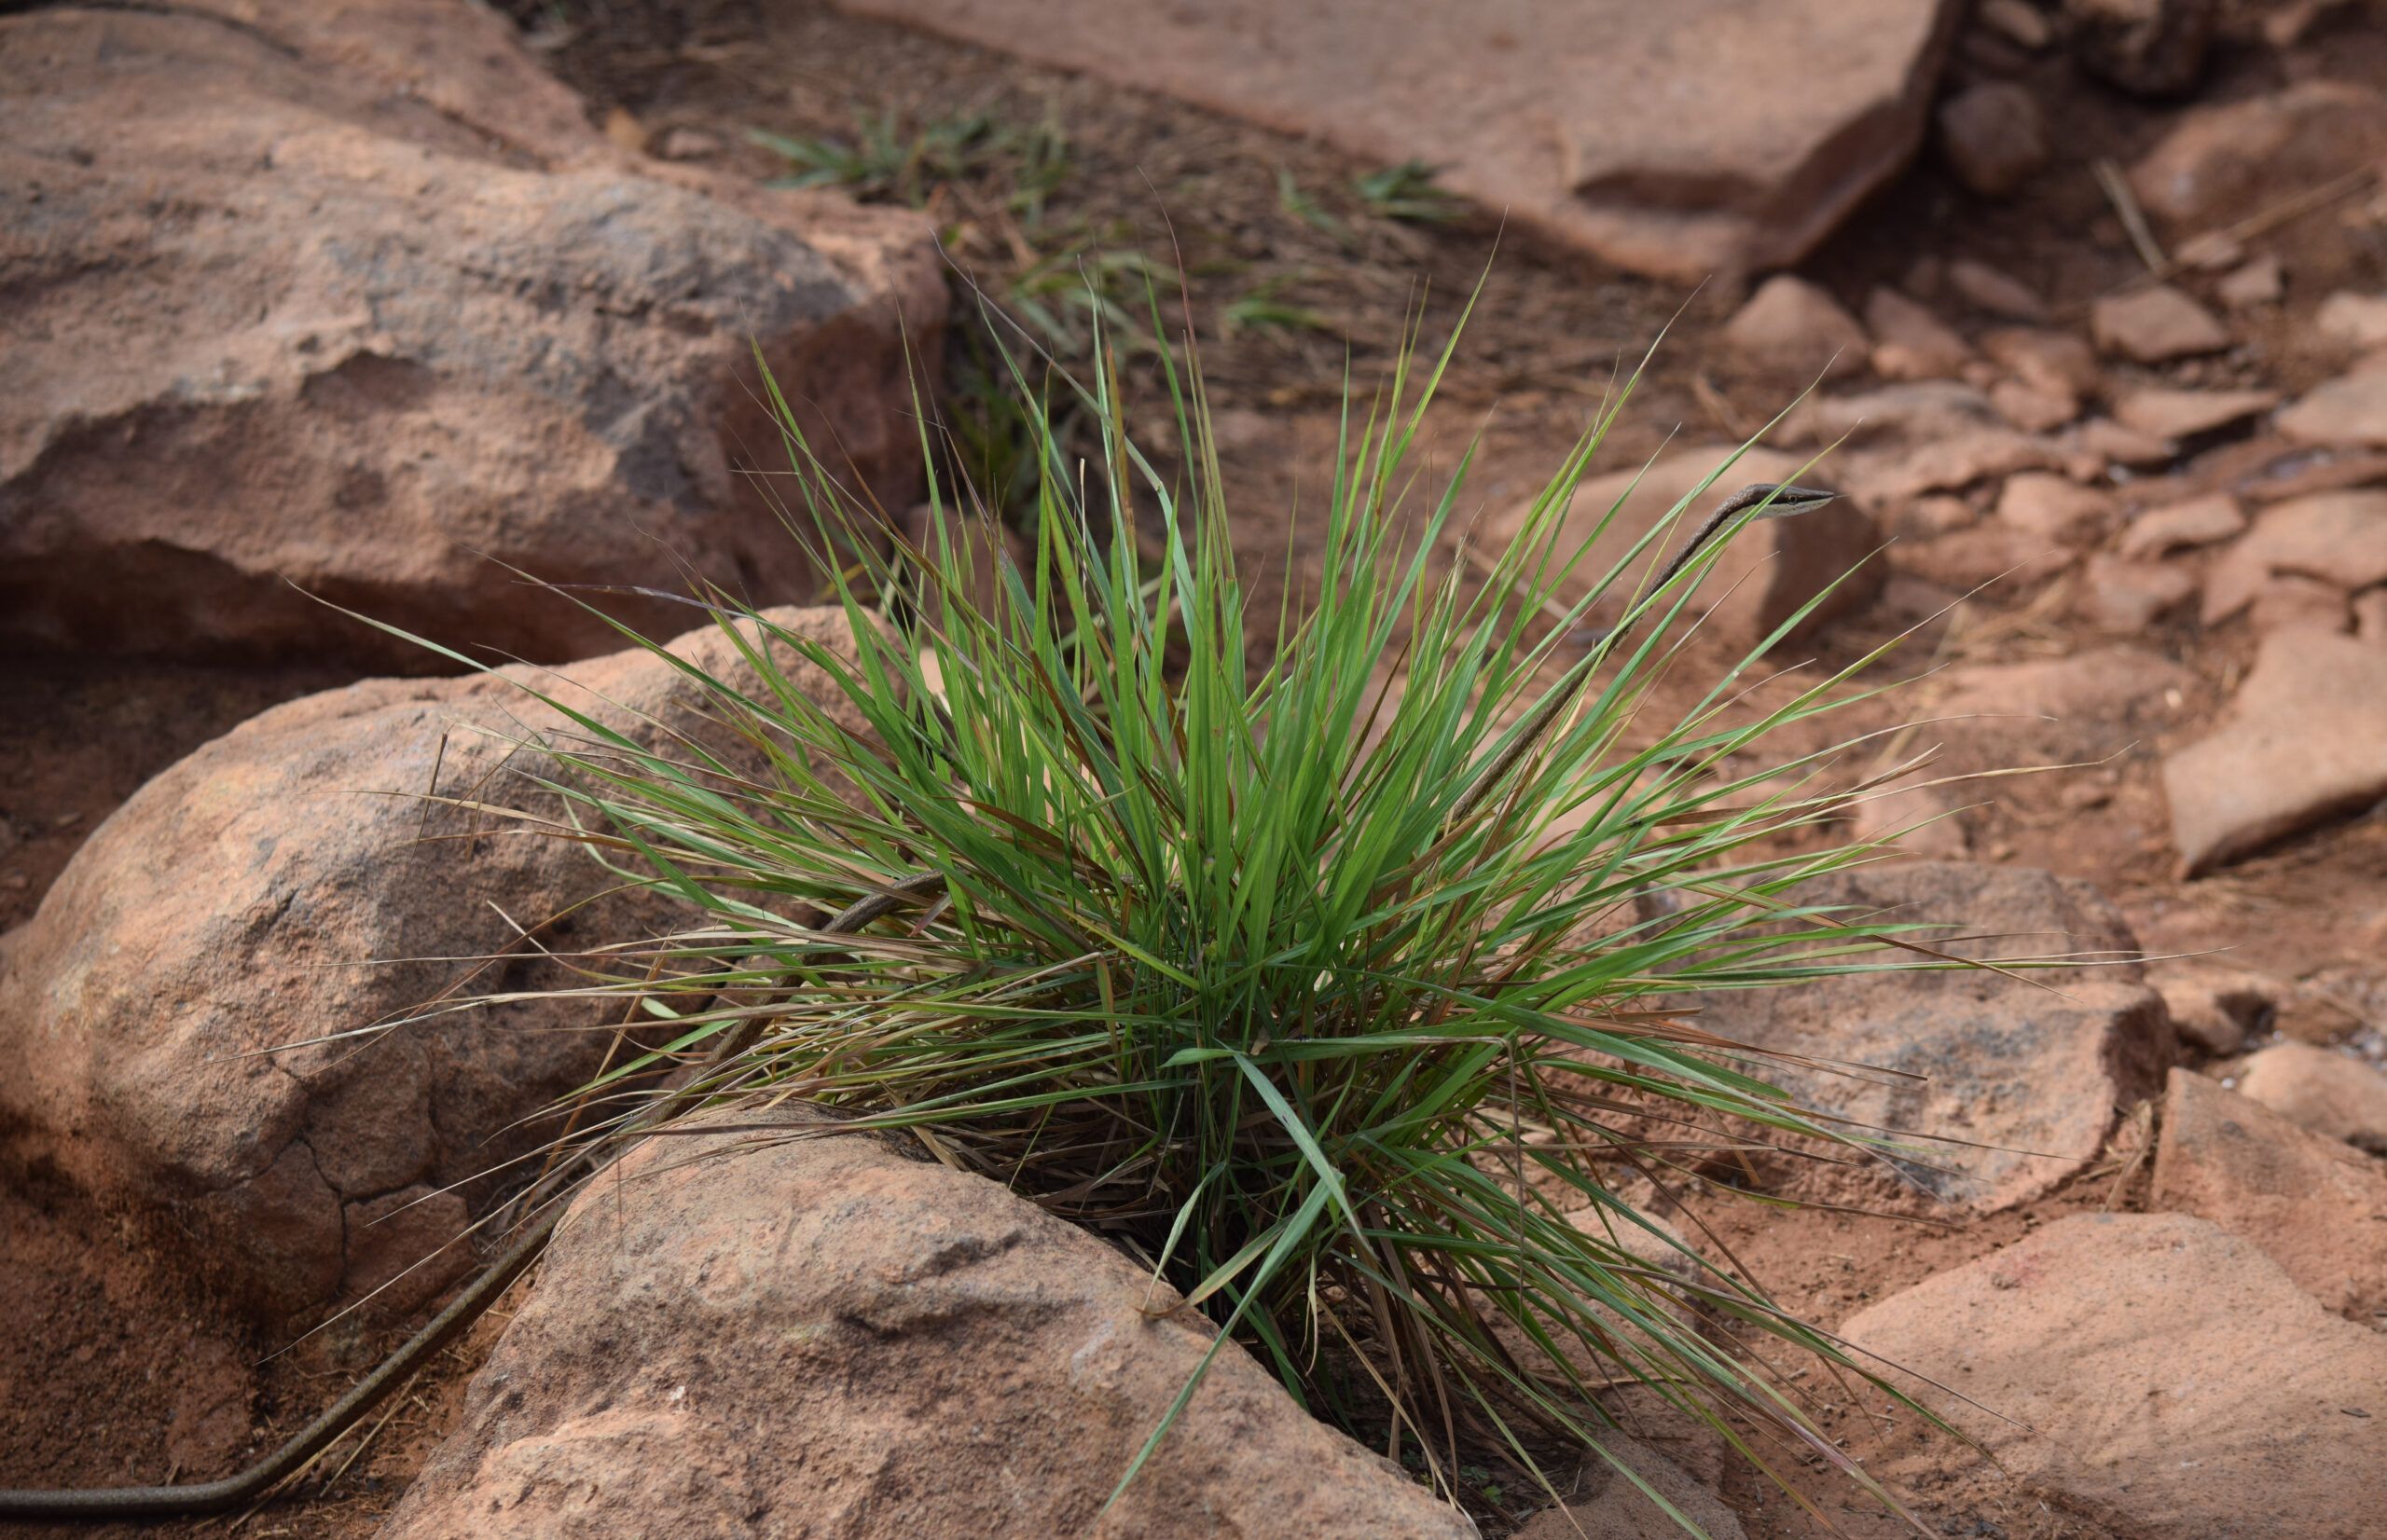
(350, 298)
(833, 1336)
(179, 1016)
(2336, 538)
(2156, 1374)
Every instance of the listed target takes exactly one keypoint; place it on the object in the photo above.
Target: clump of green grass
(1406, 192)
(882, 160)
(1068, 298)
(1301, 205)
(1264, 308)
(1328, 985)
(1042, 150)
(890, 158)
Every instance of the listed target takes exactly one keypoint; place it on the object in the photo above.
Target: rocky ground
(2103, 373)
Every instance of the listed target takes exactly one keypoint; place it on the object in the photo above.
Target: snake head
(1790, 499)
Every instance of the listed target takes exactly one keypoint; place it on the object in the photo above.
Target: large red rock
(2253, 286)
(824, 1337)
(1996, 292)
(2082, 706)
(2031, 409)
(2316, 1205)
(2304, 740)
(2058, 363)
(2028, 1075)
(1992, 556)
(2359, 321)
(350, 298)
(164, 1016)
(2054, 508)
(2112, 447)
(2155, 1374)
(2288, 603)
(1678, 139)
(2130, 598)
(1758, 582)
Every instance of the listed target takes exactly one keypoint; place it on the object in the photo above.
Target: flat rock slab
(1884, 480)
(354, 298)
(1758, 583)
(2156, 325)
(2339, 538)
(825, 1337)
(2167, 412)
(2305, 741)
(2168, 1379)
(1908, 411)
(2316, 1205)
(2351, 410)
(2031, 1080)
(2079, 706)
(1676, 140)
(2197, 521)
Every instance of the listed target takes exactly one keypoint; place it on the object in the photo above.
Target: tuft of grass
(1263, 308)
(1332, 987)
(1407, 192)
(1071, 296)
(1293, 201)
(883, 161)
(1044, 166)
